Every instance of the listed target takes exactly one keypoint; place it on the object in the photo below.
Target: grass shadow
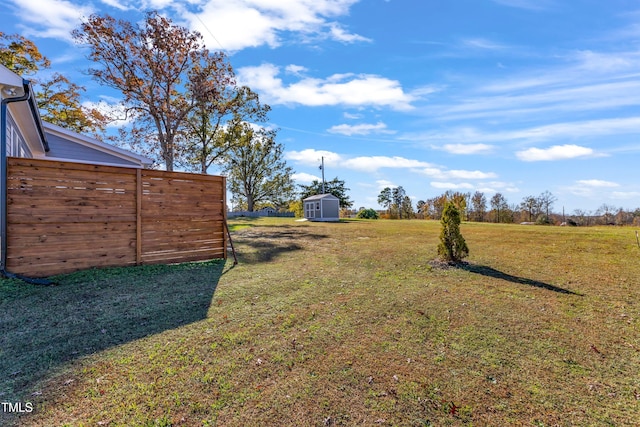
(89, 311)
(496, 274)
(263, 245)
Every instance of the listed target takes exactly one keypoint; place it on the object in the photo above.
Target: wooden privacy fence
(66, 216)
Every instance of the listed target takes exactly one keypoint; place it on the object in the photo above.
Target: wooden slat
(59, 242)
(75, 229)
(162, 175)
(111, 256)
(54, 176)
(37, 164)
(159, 245)
(174, 227)
(26, 218)
(159, 258)
(62, 267)
(110, 202)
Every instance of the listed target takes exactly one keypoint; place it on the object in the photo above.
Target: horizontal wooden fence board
(27, 218)
(80, 179)
(108, 256)
(159, 245)
(65, 216)
(79, 229)
(69, 241)
(173, 257)
(200, 202)
(45, 209)
(28, 201)
(167, 224)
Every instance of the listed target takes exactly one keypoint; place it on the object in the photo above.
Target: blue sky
(509, 96)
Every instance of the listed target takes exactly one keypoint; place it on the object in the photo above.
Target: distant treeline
(477, 207)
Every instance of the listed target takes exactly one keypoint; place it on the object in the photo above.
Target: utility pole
(322, 169)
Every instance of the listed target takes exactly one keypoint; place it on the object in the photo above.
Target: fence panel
(182, 216)
(68, 216)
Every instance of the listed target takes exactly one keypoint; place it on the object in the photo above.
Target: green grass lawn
(347, 323)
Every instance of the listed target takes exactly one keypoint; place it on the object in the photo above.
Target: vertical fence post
(138, 216)
(223, 183)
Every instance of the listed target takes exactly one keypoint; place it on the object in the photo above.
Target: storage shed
(322, 207)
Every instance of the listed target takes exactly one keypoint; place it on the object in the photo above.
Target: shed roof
(321, 196)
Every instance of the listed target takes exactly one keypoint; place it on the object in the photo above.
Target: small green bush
(452, 247)
(368, 214)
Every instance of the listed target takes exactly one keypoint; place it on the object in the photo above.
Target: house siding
(16, 145)
(62, 148)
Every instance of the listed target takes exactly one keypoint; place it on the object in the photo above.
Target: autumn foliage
(163, 71)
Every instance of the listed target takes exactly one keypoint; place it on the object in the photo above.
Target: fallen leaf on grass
(595, 349)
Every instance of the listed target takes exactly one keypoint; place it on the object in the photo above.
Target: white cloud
(557, 131)
(296, 70)
(625, 195)
(557, 152)
(383, 183)
(497, 187)
(591, 61)
(113, 108)
(463, 174)
(306, 178)
(360, 129)
(50, 19)
(598, 183)
(456, 174)
(251, 23)
(480, 43)
(526, 4)
(351, 90)
(373, 163)
(339, 34)
(452, 186)
(312, 157)
(570, 97)
(118, 4)
(467, 148)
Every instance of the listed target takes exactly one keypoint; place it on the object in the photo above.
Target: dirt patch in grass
(350, 324)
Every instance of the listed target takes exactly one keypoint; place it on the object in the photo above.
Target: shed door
(309, 211)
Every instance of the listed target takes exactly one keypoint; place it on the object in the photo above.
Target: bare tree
(606, 211)
(151, 64)
(499, 207)
(479, 203)
(546, 201)
(531, 206)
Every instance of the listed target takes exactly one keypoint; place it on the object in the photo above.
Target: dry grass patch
(349, 324)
